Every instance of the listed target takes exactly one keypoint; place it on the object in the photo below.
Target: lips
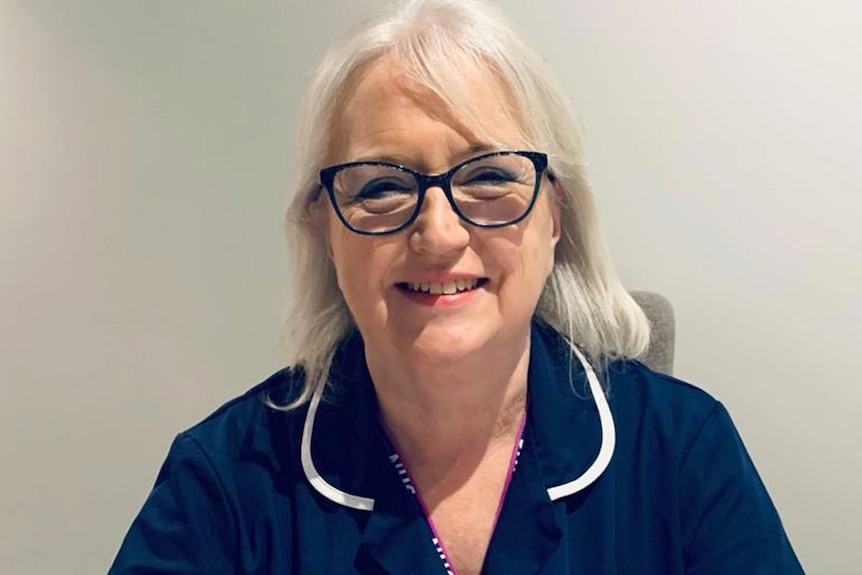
(450, 287)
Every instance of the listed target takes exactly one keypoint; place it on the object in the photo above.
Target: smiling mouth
(445, 288)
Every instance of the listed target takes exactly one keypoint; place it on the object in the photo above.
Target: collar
(572, 427)
(571, 432)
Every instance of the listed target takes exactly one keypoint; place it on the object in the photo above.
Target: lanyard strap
(410, 486)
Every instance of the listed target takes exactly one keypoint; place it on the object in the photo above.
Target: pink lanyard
(406, 480)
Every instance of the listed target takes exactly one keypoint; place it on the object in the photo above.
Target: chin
(446, 343)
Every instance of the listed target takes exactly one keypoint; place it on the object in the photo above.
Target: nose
(438, 231)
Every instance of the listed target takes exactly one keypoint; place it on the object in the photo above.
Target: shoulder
(634, 392)
(216, 482)
(685, 440)
(672, 415)
(633, 385)
(252, 425)
(638, 394)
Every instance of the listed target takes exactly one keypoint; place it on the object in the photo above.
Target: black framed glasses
(488, 191)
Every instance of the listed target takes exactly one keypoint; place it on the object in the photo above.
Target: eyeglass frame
(442, 180)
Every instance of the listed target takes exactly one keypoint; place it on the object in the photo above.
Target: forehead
(387, 113)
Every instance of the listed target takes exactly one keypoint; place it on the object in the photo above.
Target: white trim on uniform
(589, 476)
(317, 481)
(609, 438)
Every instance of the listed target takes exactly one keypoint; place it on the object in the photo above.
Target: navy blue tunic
(679, 494)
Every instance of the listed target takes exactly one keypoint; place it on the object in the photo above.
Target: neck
(446, 410)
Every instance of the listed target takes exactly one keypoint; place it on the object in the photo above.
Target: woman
(455, 311)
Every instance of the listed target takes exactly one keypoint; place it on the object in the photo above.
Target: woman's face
(499, 273)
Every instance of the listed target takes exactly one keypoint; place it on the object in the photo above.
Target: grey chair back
(659, 311)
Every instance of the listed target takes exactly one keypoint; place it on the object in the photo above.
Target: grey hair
(431, 41)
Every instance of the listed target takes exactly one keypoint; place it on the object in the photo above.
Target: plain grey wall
(144, 150)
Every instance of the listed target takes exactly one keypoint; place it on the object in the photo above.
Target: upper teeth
(445, 288)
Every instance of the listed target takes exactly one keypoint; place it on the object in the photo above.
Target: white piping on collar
(317, 481)
(592, 473)
(609, 438)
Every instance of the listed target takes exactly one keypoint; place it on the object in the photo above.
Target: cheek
(360, 264)
(340, 248)
(526, 257)
(542, 241)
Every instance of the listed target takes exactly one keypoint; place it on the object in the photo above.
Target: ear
(557, 199)
(318, 214)
(328, 243)
(327, 239)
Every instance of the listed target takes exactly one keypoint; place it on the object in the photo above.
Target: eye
(381, 188)
(487, 176)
